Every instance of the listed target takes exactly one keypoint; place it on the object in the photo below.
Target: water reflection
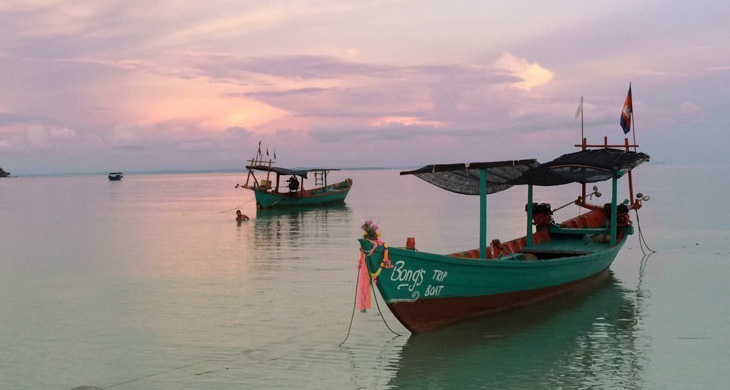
(580, 341)
(300, 232)
(281, 226)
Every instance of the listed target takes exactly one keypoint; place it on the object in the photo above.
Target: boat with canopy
(274, 192)
(427, 291)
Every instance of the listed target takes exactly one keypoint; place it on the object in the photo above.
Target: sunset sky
(140, 85)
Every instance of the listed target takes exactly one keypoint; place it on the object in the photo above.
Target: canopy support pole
(529, 214)
(482, 213)
(614, 208)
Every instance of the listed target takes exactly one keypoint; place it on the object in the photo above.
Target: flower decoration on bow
(370, 231)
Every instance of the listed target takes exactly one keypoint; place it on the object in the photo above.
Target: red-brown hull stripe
(425, 315)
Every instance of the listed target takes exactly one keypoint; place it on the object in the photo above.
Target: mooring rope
(372, 286)
(641, 235)
(151, 375)
(354, 305)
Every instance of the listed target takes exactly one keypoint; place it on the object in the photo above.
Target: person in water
(241, 217)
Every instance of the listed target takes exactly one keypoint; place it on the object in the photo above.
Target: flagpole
(583, 144)
(581, 119)
(633, 122)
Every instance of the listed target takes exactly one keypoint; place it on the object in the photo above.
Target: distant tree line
(3, 173)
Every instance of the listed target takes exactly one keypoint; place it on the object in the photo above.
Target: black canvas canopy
(464, 178)
(280, 171)
(587, 166)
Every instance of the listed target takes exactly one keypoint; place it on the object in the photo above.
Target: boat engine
(622, 214)
(542, 215)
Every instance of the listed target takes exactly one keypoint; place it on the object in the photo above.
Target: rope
(641, 235)
(380, 312)
(377, 304)
(151, 375)
(354, 305)
(638, 228)
(225, 211)
(372, 249)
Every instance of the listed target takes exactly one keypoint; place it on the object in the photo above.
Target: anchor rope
(641, 235)
(354, 305)
(380, 312)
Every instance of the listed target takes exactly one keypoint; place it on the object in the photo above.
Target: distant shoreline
(232, 170)
(186, 172)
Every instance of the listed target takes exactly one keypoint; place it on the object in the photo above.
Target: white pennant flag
(580, 108)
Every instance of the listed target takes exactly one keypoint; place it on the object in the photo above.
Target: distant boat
(427, 291)
(292, 192)
(114, 176)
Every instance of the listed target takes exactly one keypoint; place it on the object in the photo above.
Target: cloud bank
(129, 85)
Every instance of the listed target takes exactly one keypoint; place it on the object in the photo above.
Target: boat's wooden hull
(428, 291)
(334, 193)
(426, 315)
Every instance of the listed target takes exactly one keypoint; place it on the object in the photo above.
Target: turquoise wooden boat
(272, 197)
(272, 192)
(427, 291)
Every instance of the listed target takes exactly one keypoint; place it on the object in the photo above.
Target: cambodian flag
(626, 113)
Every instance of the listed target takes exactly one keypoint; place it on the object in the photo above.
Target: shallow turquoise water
(149, 283)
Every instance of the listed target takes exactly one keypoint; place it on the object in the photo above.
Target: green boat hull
(427, 291)
(335, 193)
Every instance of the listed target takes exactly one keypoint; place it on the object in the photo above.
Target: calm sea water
(149, 283)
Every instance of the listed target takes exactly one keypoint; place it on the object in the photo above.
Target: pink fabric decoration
(363, 285)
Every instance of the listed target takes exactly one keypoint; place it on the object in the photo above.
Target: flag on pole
(580, 108)
(626, 112)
